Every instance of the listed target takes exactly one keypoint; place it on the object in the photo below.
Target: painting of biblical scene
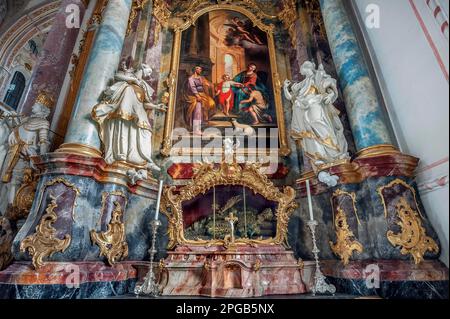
(209, 216)
(224, 75)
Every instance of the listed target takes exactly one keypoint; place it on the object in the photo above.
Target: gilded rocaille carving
(346, 241)
(112, 243)
(412, 238)
(138, 5)
(44, 243)
(392, 184)
(208, 176)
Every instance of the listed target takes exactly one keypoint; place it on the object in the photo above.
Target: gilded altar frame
(208, 176)
(182, 21)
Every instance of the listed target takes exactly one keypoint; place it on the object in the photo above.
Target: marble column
(103, 62)
(363, 106)
(49, 74)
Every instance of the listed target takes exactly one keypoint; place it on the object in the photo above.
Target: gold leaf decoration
(112, 243)
(44, 243)
(346, 243)
(185, 14)
(412, 238)
(208, 176)
(24, 198)
(392, 184)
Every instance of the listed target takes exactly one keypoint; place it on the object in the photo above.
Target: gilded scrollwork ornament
(289, 16)
(97, 16)
(412, 238)
(208, 176)
(162, 15)
(112, 243)
(44, 242)
(346, 242)
(24, 196)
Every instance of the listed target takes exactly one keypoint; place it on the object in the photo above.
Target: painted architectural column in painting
(134, 44)
(101, 66)
(364, 108)
(49, 74)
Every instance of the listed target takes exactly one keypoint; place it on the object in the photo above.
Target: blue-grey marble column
(363, 106)
(101, 66)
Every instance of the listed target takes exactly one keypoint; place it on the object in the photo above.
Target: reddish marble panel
(22, 273)
(390, 270)
(239, 272)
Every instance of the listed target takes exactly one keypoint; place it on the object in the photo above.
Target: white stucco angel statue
(315, 119)
(125, 129)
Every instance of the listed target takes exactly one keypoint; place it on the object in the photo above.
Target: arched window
(229, 65)
(15, 90)
(33, 47)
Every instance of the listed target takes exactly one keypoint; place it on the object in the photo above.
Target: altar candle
(308, 191)
(159, 199)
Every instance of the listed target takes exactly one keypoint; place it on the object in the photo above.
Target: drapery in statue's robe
(317, 123)
(125, 130)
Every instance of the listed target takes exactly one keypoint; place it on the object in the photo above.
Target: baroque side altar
(265, 125)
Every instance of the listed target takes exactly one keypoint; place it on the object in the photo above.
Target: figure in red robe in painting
(225, 93)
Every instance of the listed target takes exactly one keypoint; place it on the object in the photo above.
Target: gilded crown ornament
(45, 99)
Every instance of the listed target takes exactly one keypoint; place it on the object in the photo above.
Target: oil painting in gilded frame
(224, 77)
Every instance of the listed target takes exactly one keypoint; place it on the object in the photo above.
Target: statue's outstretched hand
(162, 107)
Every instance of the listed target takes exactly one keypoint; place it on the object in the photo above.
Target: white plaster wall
(445, 5)
(416, 90)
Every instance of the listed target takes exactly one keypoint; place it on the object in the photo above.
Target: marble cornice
(361, 169)
(95, 168)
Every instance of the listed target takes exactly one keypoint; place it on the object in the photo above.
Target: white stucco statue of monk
(315, 120)
(28, 136)
(125, 129)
